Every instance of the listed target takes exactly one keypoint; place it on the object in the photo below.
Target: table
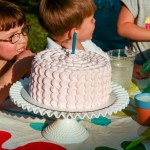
(21, 130)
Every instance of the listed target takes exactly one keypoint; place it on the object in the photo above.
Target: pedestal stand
(66, 131)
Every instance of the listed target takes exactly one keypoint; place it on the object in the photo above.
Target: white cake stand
(67, 130)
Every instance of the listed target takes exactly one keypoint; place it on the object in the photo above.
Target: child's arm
(21, 66)
(127, 28)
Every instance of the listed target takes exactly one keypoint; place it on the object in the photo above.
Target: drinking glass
(122, 61)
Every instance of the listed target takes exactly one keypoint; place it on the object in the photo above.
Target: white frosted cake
(70, 82)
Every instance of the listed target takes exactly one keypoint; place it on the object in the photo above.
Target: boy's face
(85, 31)
(9, 50)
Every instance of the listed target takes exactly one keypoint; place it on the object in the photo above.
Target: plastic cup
(142, 102)
(122, 62)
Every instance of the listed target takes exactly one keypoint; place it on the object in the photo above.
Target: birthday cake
(69, 82)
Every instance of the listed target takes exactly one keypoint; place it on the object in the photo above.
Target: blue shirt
(105, 34)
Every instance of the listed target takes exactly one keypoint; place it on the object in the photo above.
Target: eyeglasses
(14, 38)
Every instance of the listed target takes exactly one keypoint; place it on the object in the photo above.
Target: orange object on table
(143, 116)
(142, 102)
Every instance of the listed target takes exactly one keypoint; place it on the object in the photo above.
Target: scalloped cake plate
(20, 96)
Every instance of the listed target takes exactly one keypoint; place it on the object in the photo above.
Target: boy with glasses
(15, 59)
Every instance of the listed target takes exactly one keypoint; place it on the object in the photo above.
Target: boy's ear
(71, 32)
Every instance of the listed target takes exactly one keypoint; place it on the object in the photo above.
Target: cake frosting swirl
(70, 82)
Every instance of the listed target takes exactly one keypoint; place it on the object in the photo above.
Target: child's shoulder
(91, 46)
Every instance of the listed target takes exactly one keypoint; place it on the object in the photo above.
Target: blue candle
(74, 43)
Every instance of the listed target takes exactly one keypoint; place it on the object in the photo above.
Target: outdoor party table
(21, 130)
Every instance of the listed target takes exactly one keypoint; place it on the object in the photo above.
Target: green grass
(37, 36)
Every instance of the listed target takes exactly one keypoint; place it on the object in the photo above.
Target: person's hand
(24, 54)
(68, 44)
(138, 74)
(24, 62)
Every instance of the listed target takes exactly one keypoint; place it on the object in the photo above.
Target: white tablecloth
(20, 129)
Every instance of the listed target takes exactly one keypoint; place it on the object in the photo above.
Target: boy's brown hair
(59, 16)
(10, 16)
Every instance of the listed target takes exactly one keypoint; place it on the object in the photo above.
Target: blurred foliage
(37, 36)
